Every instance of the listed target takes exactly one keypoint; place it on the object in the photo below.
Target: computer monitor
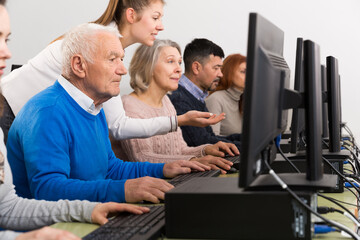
(266, 97)
(298, 115)
(325, 131)
(333, 99)
(267, 75)
(298, 137)
(313, 110)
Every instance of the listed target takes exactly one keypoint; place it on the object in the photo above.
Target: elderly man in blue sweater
(203, 62)
(58, 145)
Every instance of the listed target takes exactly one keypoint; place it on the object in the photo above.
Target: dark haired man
(203, 62)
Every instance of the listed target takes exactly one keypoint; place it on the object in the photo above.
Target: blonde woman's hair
(143, 62)
(116, 8)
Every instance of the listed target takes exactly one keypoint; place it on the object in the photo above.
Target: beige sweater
(158, 149)
(226, 101)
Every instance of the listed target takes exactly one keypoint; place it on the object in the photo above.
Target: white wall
(333, 24)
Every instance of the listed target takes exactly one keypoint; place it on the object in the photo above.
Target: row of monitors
(267, 98)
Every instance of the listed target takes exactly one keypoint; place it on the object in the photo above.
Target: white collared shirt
(81, 98)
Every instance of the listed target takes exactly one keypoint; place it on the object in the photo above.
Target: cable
(352, 165)
(320, 229)
(285, 187)
(335, 201)
(287, 159)
(354, 176)
(349, 172)
(325, 210)
(339, 201)
(356, 196)
(339, 173)
(325, 143)
(354, 154)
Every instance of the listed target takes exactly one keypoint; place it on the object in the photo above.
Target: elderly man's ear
(78, 66)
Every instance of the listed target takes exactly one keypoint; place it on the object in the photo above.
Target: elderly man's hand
(146, 189)
(199, 119)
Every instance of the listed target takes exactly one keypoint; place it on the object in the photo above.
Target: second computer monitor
(267, 75)
(334, 108)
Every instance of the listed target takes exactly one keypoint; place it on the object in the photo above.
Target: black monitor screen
(334, 109)
(325, 131)
(298, 115)
(267, 75)
(313, 110)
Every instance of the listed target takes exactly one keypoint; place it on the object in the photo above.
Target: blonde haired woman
(154, 71)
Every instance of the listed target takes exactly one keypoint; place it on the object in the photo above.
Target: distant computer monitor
(334, 108)
(325, 131)
(267, 75)
(313, 111)
(266, 97)
(298, 115)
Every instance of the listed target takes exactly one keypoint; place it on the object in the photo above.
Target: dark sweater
(183, 102)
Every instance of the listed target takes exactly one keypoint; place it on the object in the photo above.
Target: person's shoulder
(47, 98)
(126, 99)
(178, 93)
(130, 103)
(218, 93)
(215, 96)
(166, 101)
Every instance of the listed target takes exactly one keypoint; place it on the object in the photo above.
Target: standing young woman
(227, 96)
(139, 21)
(24, 214)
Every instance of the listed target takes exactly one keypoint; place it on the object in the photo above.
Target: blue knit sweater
(183, 102)
(57, 150)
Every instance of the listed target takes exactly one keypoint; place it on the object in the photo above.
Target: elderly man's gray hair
(81, 40)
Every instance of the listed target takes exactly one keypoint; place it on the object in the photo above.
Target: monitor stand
(295, 181)
(342, 155)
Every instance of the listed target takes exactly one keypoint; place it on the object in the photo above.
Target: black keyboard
(186, 177)
(132, 227)
(235, 160)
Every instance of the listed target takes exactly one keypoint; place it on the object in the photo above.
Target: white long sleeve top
(42, 71)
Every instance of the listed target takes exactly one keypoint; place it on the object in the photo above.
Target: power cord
(339, 201)
(336, 202)
(326, 210)
(330, 222)
(286, 158)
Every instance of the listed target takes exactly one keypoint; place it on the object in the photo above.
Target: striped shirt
(193, 89)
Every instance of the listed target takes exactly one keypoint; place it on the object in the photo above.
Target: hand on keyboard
(181, 167)
(221, 148)
(146, 189)
(103, 211)
(132, 227)
(215, 163)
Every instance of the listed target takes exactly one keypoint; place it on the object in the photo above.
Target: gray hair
(81, 40)
(143, 62)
